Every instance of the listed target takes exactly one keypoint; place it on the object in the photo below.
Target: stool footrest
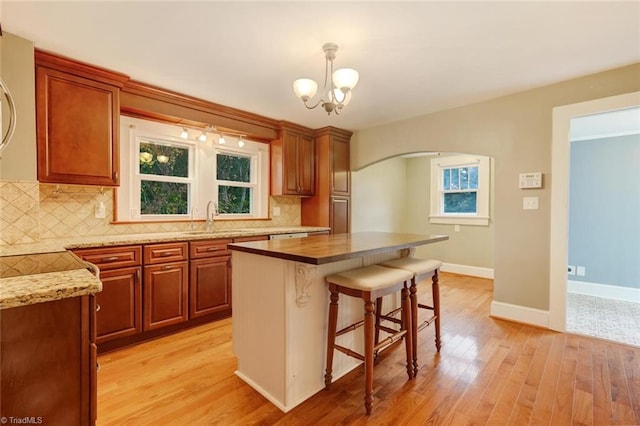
(420, 305)
(427, 322)
(350, 328)
(387, 329)
(349, 352)
(390, 340)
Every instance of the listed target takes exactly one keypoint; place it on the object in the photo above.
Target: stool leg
(406, 325)
(435, 289)
(378, 314)
(414, 323)
(331, 333)
(368, 353)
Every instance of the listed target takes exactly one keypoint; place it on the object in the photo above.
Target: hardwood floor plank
(631, 362)
(489, 371)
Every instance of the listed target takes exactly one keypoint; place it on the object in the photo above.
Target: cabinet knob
(97, 307)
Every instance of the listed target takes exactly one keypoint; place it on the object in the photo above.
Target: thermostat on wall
(531, 180)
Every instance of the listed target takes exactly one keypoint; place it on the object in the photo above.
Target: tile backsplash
(31, 212)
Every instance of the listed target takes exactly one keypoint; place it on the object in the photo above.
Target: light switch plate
(530, 203)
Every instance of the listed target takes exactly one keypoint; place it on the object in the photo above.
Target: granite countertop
(322, 249)
(46, 271)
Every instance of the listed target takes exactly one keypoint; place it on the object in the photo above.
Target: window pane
(446, 181)
(473, 177)
(464, 178)
(455, 179)
(163, 160)
(233, 168)
(163, 197)
(234, 199)
(460, 202)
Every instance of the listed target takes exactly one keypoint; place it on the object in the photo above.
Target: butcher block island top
(322, 249)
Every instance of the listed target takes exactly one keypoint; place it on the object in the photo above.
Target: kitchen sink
(220, 231)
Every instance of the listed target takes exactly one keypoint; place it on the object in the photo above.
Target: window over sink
(165, 177)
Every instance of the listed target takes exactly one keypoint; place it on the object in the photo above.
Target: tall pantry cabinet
(331, 204)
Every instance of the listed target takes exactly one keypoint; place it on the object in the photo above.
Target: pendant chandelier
(336, 92)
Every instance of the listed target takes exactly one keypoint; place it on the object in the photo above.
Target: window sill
(460, 220)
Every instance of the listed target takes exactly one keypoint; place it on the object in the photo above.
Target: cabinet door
(120, 304)
(210, 286)
(77, 129)
(290, 185)
(165, 295)
(306, 166)
(340, 174)
(45, 359)
(339, 215)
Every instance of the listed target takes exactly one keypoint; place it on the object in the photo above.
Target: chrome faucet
(211, 215)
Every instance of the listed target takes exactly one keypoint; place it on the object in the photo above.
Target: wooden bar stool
(419, 268)
(368, 283)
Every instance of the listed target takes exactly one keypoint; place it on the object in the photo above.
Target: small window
(460, 190)
(235, 184)
(164, 178)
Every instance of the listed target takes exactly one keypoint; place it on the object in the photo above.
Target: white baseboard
(604, 290)
(521, 314)
(474, 271)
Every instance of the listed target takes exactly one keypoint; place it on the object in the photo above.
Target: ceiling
(413, 57)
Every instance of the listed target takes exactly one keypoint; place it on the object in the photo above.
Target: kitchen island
(280, 307)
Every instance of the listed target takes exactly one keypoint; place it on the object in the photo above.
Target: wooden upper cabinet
(77, 119)
(293, 164)
(330, 205)
(340, 170)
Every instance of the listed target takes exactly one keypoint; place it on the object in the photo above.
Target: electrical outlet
(571, 270)
(581, 271)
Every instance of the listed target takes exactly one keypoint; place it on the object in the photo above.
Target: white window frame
(437, 214)
(258, 153)
(202, 171)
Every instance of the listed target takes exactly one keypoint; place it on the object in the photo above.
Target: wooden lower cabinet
(165, 295)
(210, 286)
(48, 362)
(119, 304)
(339, 214)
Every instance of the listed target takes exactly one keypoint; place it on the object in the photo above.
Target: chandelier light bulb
(240, 142)
(202, 137)
(346, 78)
(305, 88)
(221, 140)
(184, 134)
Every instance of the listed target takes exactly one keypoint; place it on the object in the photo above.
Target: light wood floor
(488, 372)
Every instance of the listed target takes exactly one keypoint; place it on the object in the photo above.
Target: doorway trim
(558, 250)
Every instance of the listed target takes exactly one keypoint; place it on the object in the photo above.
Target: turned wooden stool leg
(406, 325)
(331, 333)
(378, 314)
(435, 289)
(368, 354)
(414, 323)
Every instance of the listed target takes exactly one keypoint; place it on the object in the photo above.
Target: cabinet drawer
(163, 253)
(112, 257)
(208, 248)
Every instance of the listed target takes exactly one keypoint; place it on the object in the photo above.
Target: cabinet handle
(138, 274)
(168, 253)
(97, 367)
(168, 268)
(109, 259)
(338, 201)
(115, 175)
(213, 248)
(97, 307)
